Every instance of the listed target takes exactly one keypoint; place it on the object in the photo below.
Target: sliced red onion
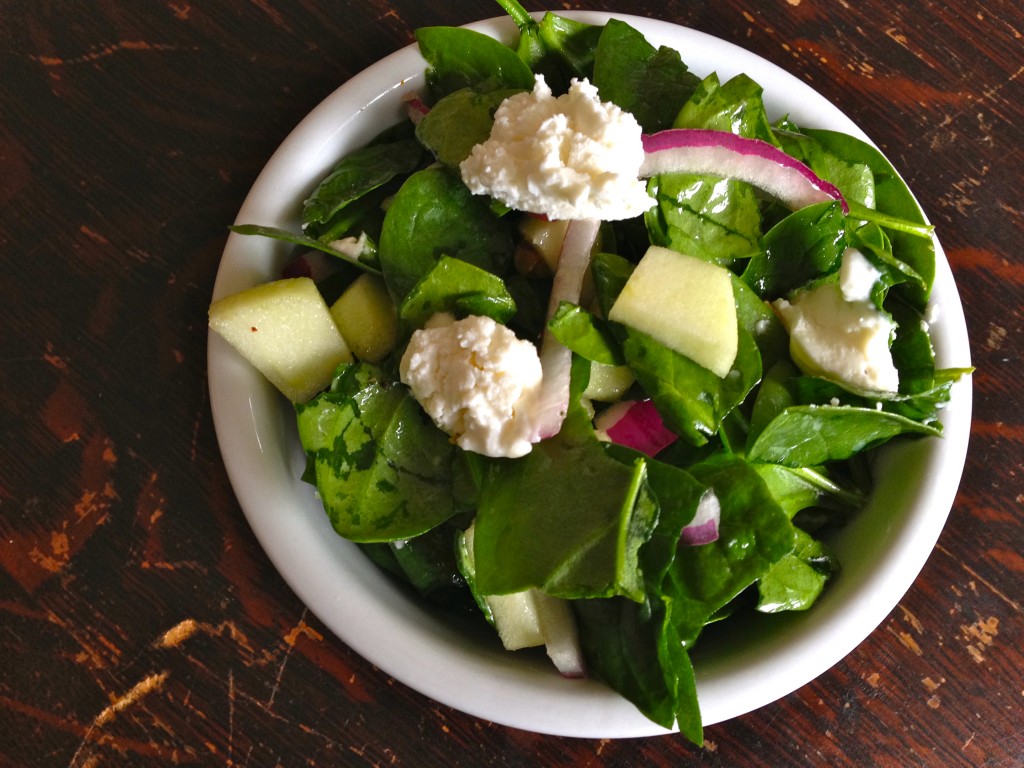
(312, 264)
(555, 358)
(561, 639)
(415, 108)
(703, 529)
(720, 153)
(637, 425)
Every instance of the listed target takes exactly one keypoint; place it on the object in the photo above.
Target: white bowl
(881, 551)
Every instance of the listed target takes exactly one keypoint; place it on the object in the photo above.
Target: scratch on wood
(980, 636)
(908, 641)
(912, 620)
(145, 686)
(995, 591)
(109, 50)
(290, 639)
(183, 630)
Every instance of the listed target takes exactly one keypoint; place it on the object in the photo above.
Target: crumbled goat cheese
(570, 157)
(477, 381)
(843, 340)
(857, 276)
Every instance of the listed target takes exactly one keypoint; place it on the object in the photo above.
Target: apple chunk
(286, 331)
(366, 317)
(685, 303)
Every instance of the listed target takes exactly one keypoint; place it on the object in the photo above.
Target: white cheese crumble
(857, 276)
(844, 340)
(570, 157)
(477, 381)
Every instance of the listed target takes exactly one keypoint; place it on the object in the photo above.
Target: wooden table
(142, 624)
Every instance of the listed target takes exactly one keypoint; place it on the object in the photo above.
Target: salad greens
(579, 517)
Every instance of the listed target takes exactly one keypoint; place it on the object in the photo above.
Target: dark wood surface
(140, 621)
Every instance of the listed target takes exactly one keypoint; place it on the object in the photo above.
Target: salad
(656, 484)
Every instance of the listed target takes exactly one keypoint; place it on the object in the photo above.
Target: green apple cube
(285, 329)
(685, 303)
(366, 317)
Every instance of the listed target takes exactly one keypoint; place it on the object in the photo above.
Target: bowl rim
(380, 621)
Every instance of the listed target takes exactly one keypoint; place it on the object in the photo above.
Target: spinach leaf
(458, 122)
(692, 400)
(634, 647)
(805, 245)
(384, 471)
(737, 106)
(434, 214)
(567, 518)
(855, 181)
(284, 235)
(796, 580)
(872, 241)
(892, 197)
(709, 217)
(610, 272)
(650, 83)
(586, 335)
(456, 286)
(753, 533)
(571, 44)
(920, 404)
(362, 171)
(762, 323)
(808, 435)
(636, 650)
(459, 58)
(798, 489)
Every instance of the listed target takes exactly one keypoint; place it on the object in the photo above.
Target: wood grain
(141, 622)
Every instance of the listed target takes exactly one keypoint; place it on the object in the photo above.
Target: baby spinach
(650, 83)
(892, 197)
(357, 174)
(567, 518)
(588, 336)
(753, 534)
(795, 581)
(460, 121)
(276, 233)
(456, 286)
(808, 435)
(434, 214)
(692, 400)
(384, 471)
(805, 245)
(459, 58)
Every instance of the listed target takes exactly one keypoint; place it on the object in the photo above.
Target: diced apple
(685, 303)
(529, 618)
(366, 317)
(286, 331)
(608, 383)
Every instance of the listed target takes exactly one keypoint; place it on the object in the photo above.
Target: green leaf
(433, 214)
(458, 58)
(458, 287)
(805, 245)
(383, 470)
(753, 533)
(794, 582)
(692, 400)
(586, 335)
(276, 233)
(359, 173)
(566, 519)
(458, 122)
(650, 83)
(808, 435)
(893, 197)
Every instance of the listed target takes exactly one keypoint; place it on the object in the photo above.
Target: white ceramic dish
(882, 550)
